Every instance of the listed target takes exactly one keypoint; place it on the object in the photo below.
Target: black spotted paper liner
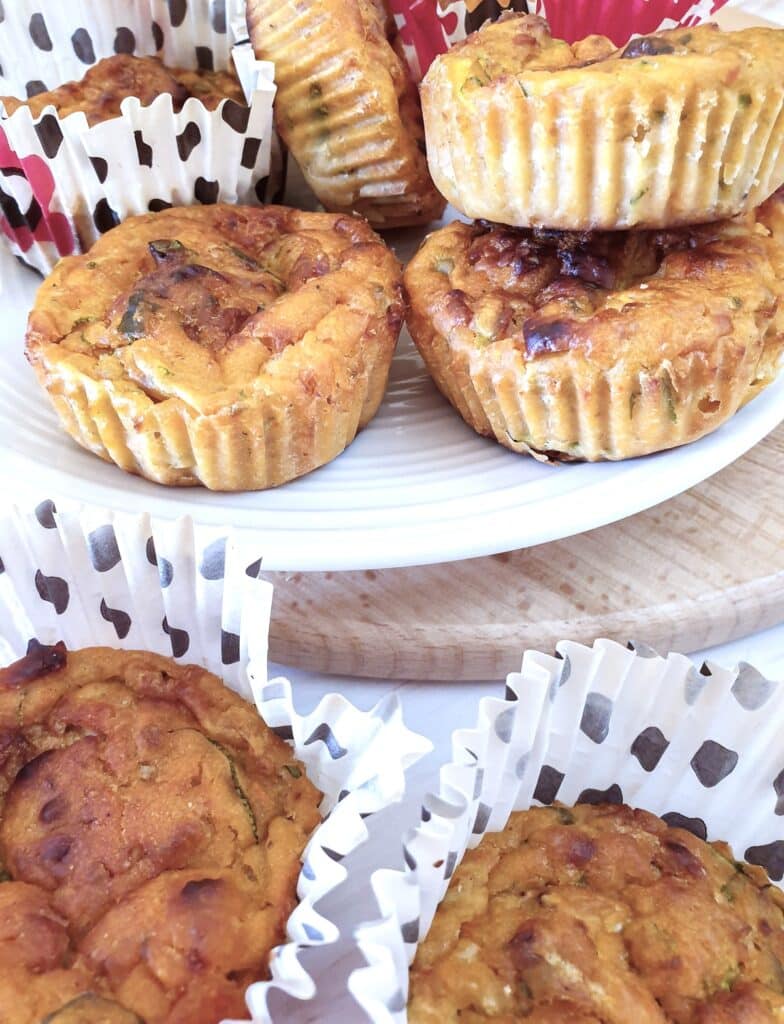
(700, 747)
(94, 577)
(63, 184)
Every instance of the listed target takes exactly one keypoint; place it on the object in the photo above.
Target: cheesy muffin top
(151, 828)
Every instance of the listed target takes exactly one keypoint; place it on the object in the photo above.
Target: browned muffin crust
(602, 915)
(99, 94)
(150, 834)
(600, 345)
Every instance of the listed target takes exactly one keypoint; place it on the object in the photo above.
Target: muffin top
(637, 295)
(521, 45)
(151, 828)
(217, 306)
(602, 915)
(103, 88)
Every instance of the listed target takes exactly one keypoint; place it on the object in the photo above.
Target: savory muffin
(99, 94)
(676, 128)
(232, 346)
(605, 345)
(601, 915)
(347, 106)
(151, 828)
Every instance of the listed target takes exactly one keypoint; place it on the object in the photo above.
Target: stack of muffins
(619, 292)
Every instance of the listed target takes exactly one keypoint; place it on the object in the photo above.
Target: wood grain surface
(701, 569)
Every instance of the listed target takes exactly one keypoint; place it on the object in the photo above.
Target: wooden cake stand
(702, 569)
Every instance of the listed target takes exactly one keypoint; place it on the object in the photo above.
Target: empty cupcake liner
(700, 748)
(93, 577)
(429, 27)
(63, 183)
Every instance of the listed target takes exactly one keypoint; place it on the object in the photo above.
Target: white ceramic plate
(417, 486)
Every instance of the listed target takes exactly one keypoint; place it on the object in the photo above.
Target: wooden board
(701, 569)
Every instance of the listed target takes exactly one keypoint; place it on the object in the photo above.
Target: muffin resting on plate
(600, 346)
(347, 106)
(110, 81)
(601, 915)
(151, 828)
(679, 127)
(232, 346)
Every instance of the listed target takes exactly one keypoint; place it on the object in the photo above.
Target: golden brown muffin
(600, 346)
(677, 128)
(110, 81)
(233, 346)
(347, 106)
(151, 828)
(601, 915)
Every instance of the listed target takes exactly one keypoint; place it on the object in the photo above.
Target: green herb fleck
(565, 816)
(727, 893)
(445, 265)
(4, 875)
(736, 302)
(132, 323)
(163, 247)
(84, 320)
(669, 398)
(730, 978)
(685, 39)
(245, 258)
(91, 265)
(632, 402)
(322, 112)
(476, 82)
(523, 90)
(293, 770)
(638, 197)
(744, 100)
(238, 787)
(166, 371)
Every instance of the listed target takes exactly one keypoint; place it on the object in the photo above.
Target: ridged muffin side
(682, 127)
(600, 346)
(347, 106)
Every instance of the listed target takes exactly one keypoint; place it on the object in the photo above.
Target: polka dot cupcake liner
(63, 183)
(609, 724)
(93, 577)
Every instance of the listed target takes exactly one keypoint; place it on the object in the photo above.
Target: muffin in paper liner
(63, 184)
(584, 350)
(699, 747)
(688, 129)
(347, 107)
(93, 577)
(182, 359)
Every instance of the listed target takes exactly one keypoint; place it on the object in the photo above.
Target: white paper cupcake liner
(63, 184)
(92, 577)
(700, 748)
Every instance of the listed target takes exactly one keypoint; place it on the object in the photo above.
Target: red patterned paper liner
(38, 223)
(621, 19)
(429, 27)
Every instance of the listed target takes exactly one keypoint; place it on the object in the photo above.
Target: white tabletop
(436, 710)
